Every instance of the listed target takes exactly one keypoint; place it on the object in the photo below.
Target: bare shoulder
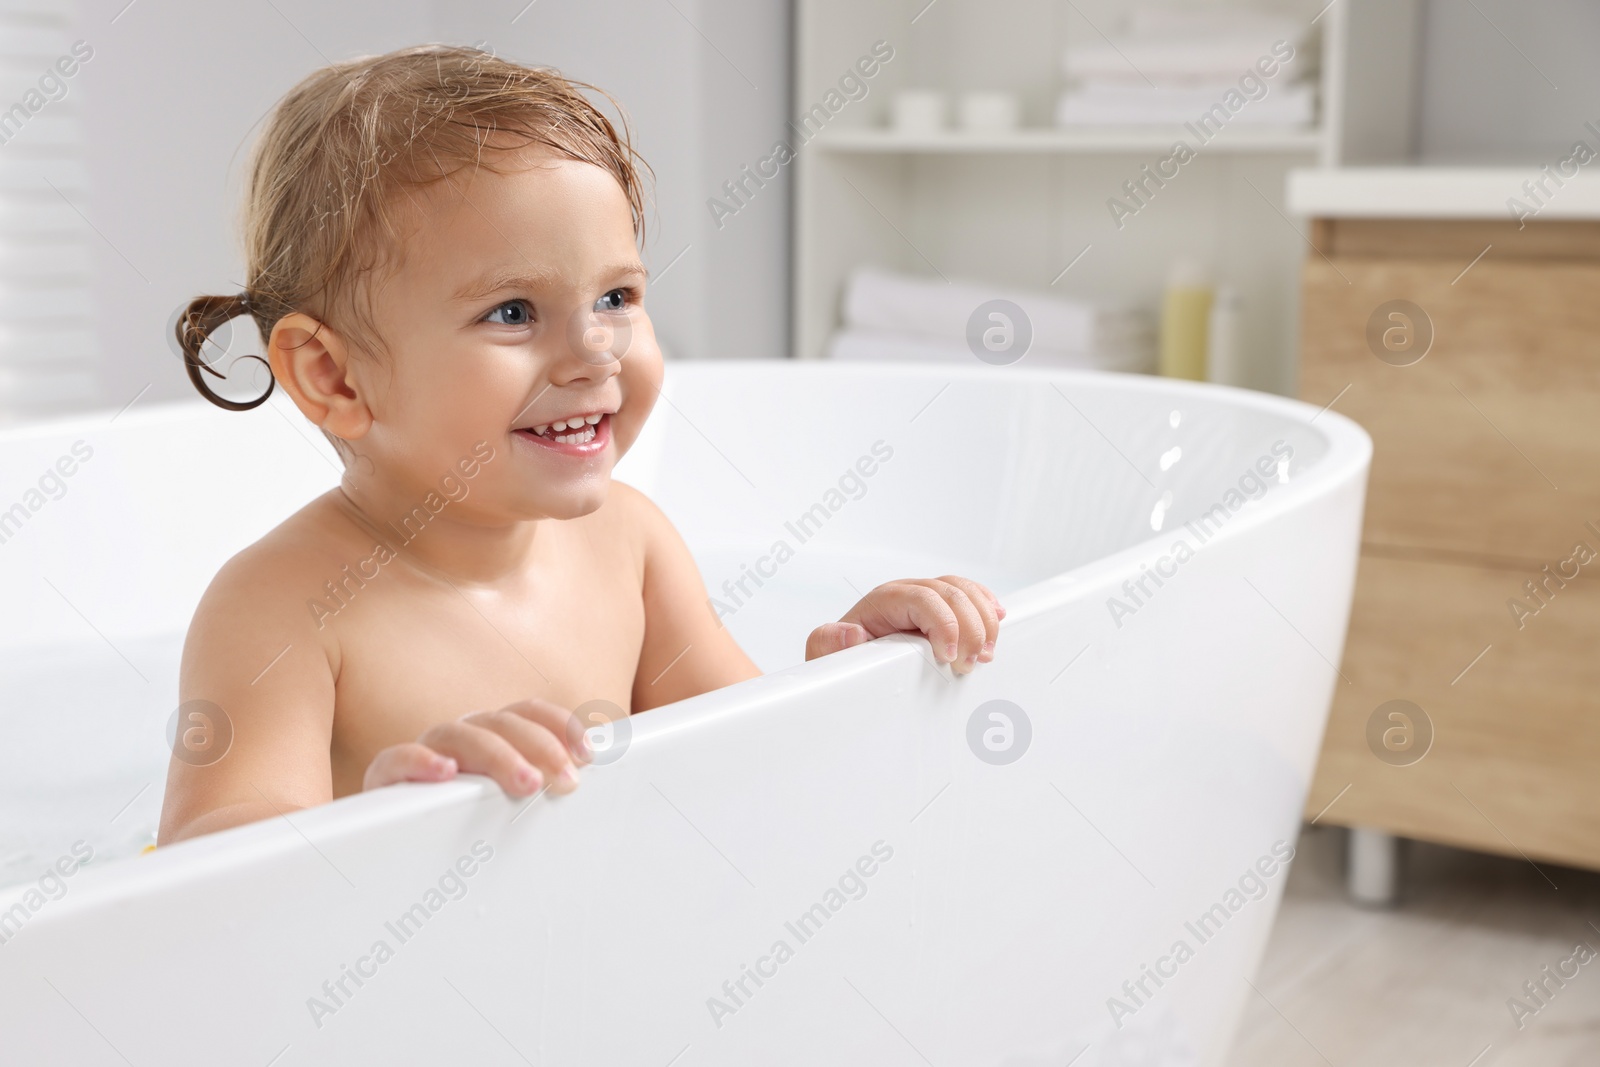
(258, 599)
(628, 502)
(635, 511)
(652, 536)
(631, 517)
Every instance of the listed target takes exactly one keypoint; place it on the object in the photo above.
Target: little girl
(443, 263)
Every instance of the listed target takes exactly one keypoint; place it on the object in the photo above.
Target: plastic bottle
(1185, 320)
(1224, 360)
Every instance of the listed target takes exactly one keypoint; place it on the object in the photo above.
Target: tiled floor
(1426, 984)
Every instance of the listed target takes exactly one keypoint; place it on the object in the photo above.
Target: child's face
(518, 304)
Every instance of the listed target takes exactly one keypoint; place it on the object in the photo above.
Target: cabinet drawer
(1517, 734)
(1489, 443)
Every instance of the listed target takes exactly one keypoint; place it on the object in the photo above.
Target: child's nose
(599, 339)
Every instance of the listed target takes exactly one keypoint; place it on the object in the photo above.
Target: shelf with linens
(1120, 139)
(1098, 212)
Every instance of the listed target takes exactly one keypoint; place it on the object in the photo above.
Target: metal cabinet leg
(1373, 871)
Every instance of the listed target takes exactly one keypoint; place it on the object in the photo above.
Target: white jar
(917, 111)
(987, 111)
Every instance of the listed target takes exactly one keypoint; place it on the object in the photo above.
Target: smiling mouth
(576, 430)
(584, 435)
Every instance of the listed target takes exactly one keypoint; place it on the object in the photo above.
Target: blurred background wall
(1484, 102)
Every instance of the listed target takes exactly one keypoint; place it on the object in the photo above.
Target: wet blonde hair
(343, 149)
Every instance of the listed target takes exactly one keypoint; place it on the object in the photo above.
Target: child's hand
(522, 746)
(960, 617)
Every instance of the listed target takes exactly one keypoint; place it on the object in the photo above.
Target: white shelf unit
(1016, 208)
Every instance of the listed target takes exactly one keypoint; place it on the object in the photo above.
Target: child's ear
(311, 362)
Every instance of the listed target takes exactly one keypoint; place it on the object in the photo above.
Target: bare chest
(416, 651)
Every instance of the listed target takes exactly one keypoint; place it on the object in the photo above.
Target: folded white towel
(1105, 104)
(875, 346)
(1166, 45)
(1156, 19)
(892, 302)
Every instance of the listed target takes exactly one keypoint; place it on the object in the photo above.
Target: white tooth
(541, 429)
(558, 425)
(581, 437)
(592, 419)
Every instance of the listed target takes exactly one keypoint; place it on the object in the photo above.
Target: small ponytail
(195, 326)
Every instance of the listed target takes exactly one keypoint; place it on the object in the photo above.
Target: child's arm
(687, 650)
(280, 717)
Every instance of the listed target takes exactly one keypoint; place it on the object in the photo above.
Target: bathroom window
(47, 339)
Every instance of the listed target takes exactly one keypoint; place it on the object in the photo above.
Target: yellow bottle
(1185, 321)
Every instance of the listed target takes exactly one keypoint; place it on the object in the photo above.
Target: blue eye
(511, 313)
(615, 300)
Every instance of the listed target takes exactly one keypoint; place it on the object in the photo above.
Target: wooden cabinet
(1484, 493)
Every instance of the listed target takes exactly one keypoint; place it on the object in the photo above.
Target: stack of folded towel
(893, 316)
(1171, 66)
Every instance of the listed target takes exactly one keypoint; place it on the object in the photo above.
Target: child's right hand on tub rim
(959, 617)
(522, 746)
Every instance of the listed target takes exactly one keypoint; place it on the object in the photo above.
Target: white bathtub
(1007, 903)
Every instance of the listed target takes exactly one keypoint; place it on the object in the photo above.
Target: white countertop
(1424, 192)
